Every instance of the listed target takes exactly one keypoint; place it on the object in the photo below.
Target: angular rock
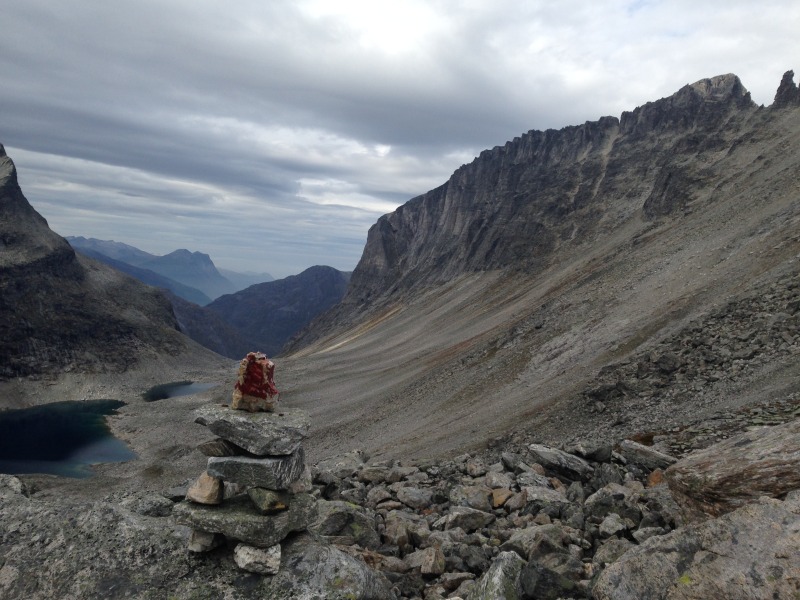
(220, 447)
(264, 561)
(206, 490)
(405, 530)
(451, 581)
(468, 519)
(346, 522)
(748, 553)
(263, 434)
(727, 475)
(501, 581)
(496, 480)
(239, 519)
(551, 581)
(544, 500)
(645, 456)
(430, 561)
(611, 550)
(474, 496)
(612, 525)
(500, 496)
(339, 467)
(310, 569)
(560, 462)
(613, 499)
(269, 501)
(535, 542)
(203, 541)
(415, 497)
(274, 473)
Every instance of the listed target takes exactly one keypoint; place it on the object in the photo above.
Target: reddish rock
(737, 471)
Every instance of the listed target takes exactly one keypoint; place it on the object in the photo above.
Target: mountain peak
(788, 93)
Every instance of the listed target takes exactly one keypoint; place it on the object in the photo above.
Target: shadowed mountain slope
(506, 299)
(150, 277)
(63, 312)
(268, 314)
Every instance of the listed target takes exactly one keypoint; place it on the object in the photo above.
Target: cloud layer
(271, 135)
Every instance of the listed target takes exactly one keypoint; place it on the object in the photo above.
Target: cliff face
(514, 206)
(545, 274)
(59, 311)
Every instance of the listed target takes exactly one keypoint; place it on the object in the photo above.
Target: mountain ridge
(695, 199)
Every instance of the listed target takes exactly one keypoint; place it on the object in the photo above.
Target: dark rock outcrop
(60, 311)
(788, 93)
(516, 205)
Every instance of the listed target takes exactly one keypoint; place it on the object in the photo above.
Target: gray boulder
(501, 581)
(556, 578)
(560, 462)
(727, 475)
(239, 519)
(468, 519)
(645, 456)
(262, 433)
(749, 553)
(274, 473)
(345, 523)
(311, 569)
(537, 541)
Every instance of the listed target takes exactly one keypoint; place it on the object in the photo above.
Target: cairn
(255, 489)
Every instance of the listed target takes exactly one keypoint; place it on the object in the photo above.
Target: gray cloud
(271, 135)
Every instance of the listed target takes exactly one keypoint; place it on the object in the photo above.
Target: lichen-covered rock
(239, 519)
(501, 581)
(204, 541)
(312, 569)
(262, 433)
(271, 472)
(749, 553)
(348, 523)
(264, 561)
(723, 477)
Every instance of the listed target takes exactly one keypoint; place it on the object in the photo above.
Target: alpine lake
(67, 438)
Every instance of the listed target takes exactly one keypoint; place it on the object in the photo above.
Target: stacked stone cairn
(255, 490)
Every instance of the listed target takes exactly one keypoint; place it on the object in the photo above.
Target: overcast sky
(271, 134)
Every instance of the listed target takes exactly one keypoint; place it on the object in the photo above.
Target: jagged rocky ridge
(690, 208)
(521, 205)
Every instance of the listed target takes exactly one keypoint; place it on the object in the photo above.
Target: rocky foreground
(518, 520)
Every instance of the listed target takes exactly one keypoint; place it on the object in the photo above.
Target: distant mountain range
(189, 275)
(250, 311)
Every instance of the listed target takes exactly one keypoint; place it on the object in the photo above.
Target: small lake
(175, 389)
(64, 438)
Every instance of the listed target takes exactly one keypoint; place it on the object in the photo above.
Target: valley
(558, 300)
